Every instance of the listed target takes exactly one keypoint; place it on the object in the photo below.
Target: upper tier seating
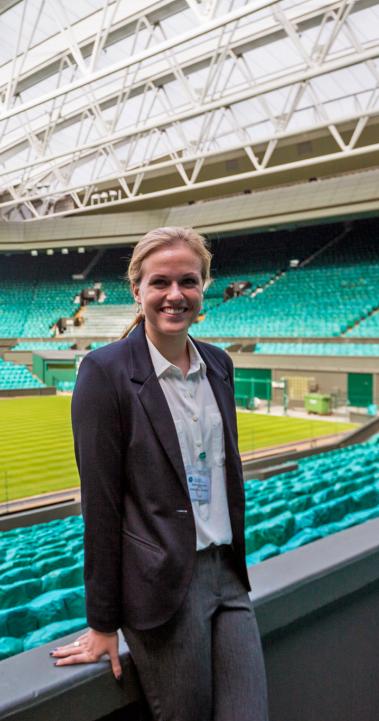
(325, 298)
(41, 588)
(36, 292)
(331, 296)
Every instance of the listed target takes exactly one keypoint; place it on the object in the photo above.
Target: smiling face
(170, 291)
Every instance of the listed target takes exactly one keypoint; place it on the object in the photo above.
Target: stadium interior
(257, 123)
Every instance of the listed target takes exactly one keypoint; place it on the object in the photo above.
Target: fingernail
(119, 677)
(51, 653)
(56, 663)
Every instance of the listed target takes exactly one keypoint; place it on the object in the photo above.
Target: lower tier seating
(41, 588)
(328, 493)
(42, 345)
(41, 567)
(15, 377)
(322, 349)
(65, 386)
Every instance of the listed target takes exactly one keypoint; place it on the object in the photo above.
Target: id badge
(199, 484)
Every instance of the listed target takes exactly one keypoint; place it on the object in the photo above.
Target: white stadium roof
(103, 104)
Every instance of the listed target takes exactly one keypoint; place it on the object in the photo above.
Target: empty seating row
(326, 494)
(42, 345)
(323, 349)
(41, 587)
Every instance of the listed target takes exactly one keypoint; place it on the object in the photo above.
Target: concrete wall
(28, 392)
(354, 195)
(325, 668)
(39, 513)
(329, 373)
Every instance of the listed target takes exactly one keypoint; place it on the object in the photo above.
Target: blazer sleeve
(230, 369)
(98, 443)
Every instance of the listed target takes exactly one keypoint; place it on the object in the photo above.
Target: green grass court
(36, 450)
(257, 431)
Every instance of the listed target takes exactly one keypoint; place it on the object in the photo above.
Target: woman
(162, 496)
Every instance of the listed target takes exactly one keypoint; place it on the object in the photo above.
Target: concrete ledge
(286, 589)
(270, 471)
(18, 392)
(291, 586)
(40, 514)
(33, 689)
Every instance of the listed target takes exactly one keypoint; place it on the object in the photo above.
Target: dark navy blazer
(140, 538)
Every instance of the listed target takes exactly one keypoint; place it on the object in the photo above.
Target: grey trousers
(206, 663)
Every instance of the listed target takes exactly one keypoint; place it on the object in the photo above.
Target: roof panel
(95, 83)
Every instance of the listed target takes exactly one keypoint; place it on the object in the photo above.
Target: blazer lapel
(219, 381)
(153, 400)
(156, 407)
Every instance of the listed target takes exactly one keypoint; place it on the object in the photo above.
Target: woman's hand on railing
(89, 648)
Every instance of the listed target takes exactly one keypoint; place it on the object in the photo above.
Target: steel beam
(142, 56)
(199, 185)
(104, 100)
(229, 99)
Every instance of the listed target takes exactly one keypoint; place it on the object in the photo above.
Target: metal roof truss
(94, 109)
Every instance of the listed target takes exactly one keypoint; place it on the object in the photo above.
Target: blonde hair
(160, 238)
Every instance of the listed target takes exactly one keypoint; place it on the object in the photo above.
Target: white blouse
(198, 423)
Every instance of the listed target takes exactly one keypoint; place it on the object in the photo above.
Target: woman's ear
(136, 293)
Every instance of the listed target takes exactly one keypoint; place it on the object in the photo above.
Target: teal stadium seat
(327, 493)
(66, 386)
(41, 587)
(319, 349)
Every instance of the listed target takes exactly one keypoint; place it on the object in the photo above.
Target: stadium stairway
(330, 291)
(366, 327)
(107, 321)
